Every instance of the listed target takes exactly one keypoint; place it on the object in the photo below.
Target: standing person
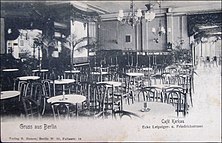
(214, 60)
(208, 61)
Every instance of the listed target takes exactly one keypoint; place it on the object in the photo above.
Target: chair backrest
(181, 89)
(150, 92)
(47, 91)
(25, 88)
(103, 93)
(179, 98)
(156, 79)
(122, 114)
(85, 88)
(61, 109)
(31, 97)
(184, 80)
(31, 107)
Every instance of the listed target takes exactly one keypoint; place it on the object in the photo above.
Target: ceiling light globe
(149, 16)
(139, 13)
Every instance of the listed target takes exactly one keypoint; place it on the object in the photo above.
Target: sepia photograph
(110, 71)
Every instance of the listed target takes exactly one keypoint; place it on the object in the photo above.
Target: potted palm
(180, 54)
(79, 44)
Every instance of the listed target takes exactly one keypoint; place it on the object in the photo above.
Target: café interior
(107, 59)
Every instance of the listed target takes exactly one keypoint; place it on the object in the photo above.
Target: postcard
(110, 71)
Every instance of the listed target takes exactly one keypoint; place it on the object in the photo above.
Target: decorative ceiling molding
(195, 9)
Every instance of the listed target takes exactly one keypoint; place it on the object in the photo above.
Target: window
(79, 30)
(128, 38)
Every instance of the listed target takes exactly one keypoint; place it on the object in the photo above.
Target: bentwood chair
(47, 93)
(106, 100)
(156, 78)
(126, 90)
(91, 107)
(185, 80)
(30, 106)
(179, 99)
(123, 114)
(63, 110)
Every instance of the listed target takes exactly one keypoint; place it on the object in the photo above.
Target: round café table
(113, 83)
(10, 70)
(99, 74)
(68, 98)
(72, 73)
(29, 78)
(134, 74)
(147, 69)
(40, 72)
(160, 86)
(10, 74)
(62, 82)
(161, 89)
(7, 95)
(153, 109)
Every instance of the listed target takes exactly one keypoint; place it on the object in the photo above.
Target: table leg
(54, 88)
(63, 89)
(76, 110)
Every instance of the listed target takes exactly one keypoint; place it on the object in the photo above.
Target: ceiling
(24, 13)
(109, 7)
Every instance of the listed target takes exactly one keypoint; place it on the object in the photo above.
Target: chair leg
(44, 106)
(139, 96)
(191, 100)
(132, 96)
(144, 96)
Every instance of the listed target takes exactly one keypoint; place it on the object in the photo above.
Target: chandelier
(134, 17)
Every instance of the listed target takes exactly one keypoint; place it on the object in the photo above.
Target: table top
(147, 69)
(161, 86)
(9, 94)
(64, 81)
(68, 98)
(10, 70)
(84, 64)
(186, 64)
(28, 77)
(164, 86)
(176, 86)
(98, 73)
(134, 74)
(154, 108)
(171, 67)
(73, 71)
(40, 70)
(114, 83)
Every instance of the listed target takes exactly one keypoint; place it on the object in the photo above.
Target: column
(2, 51)
(169, 29)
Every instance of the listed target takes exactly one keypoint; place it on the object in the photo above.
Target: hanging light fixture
(134, 17)
(149, 15)
(161, 30)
